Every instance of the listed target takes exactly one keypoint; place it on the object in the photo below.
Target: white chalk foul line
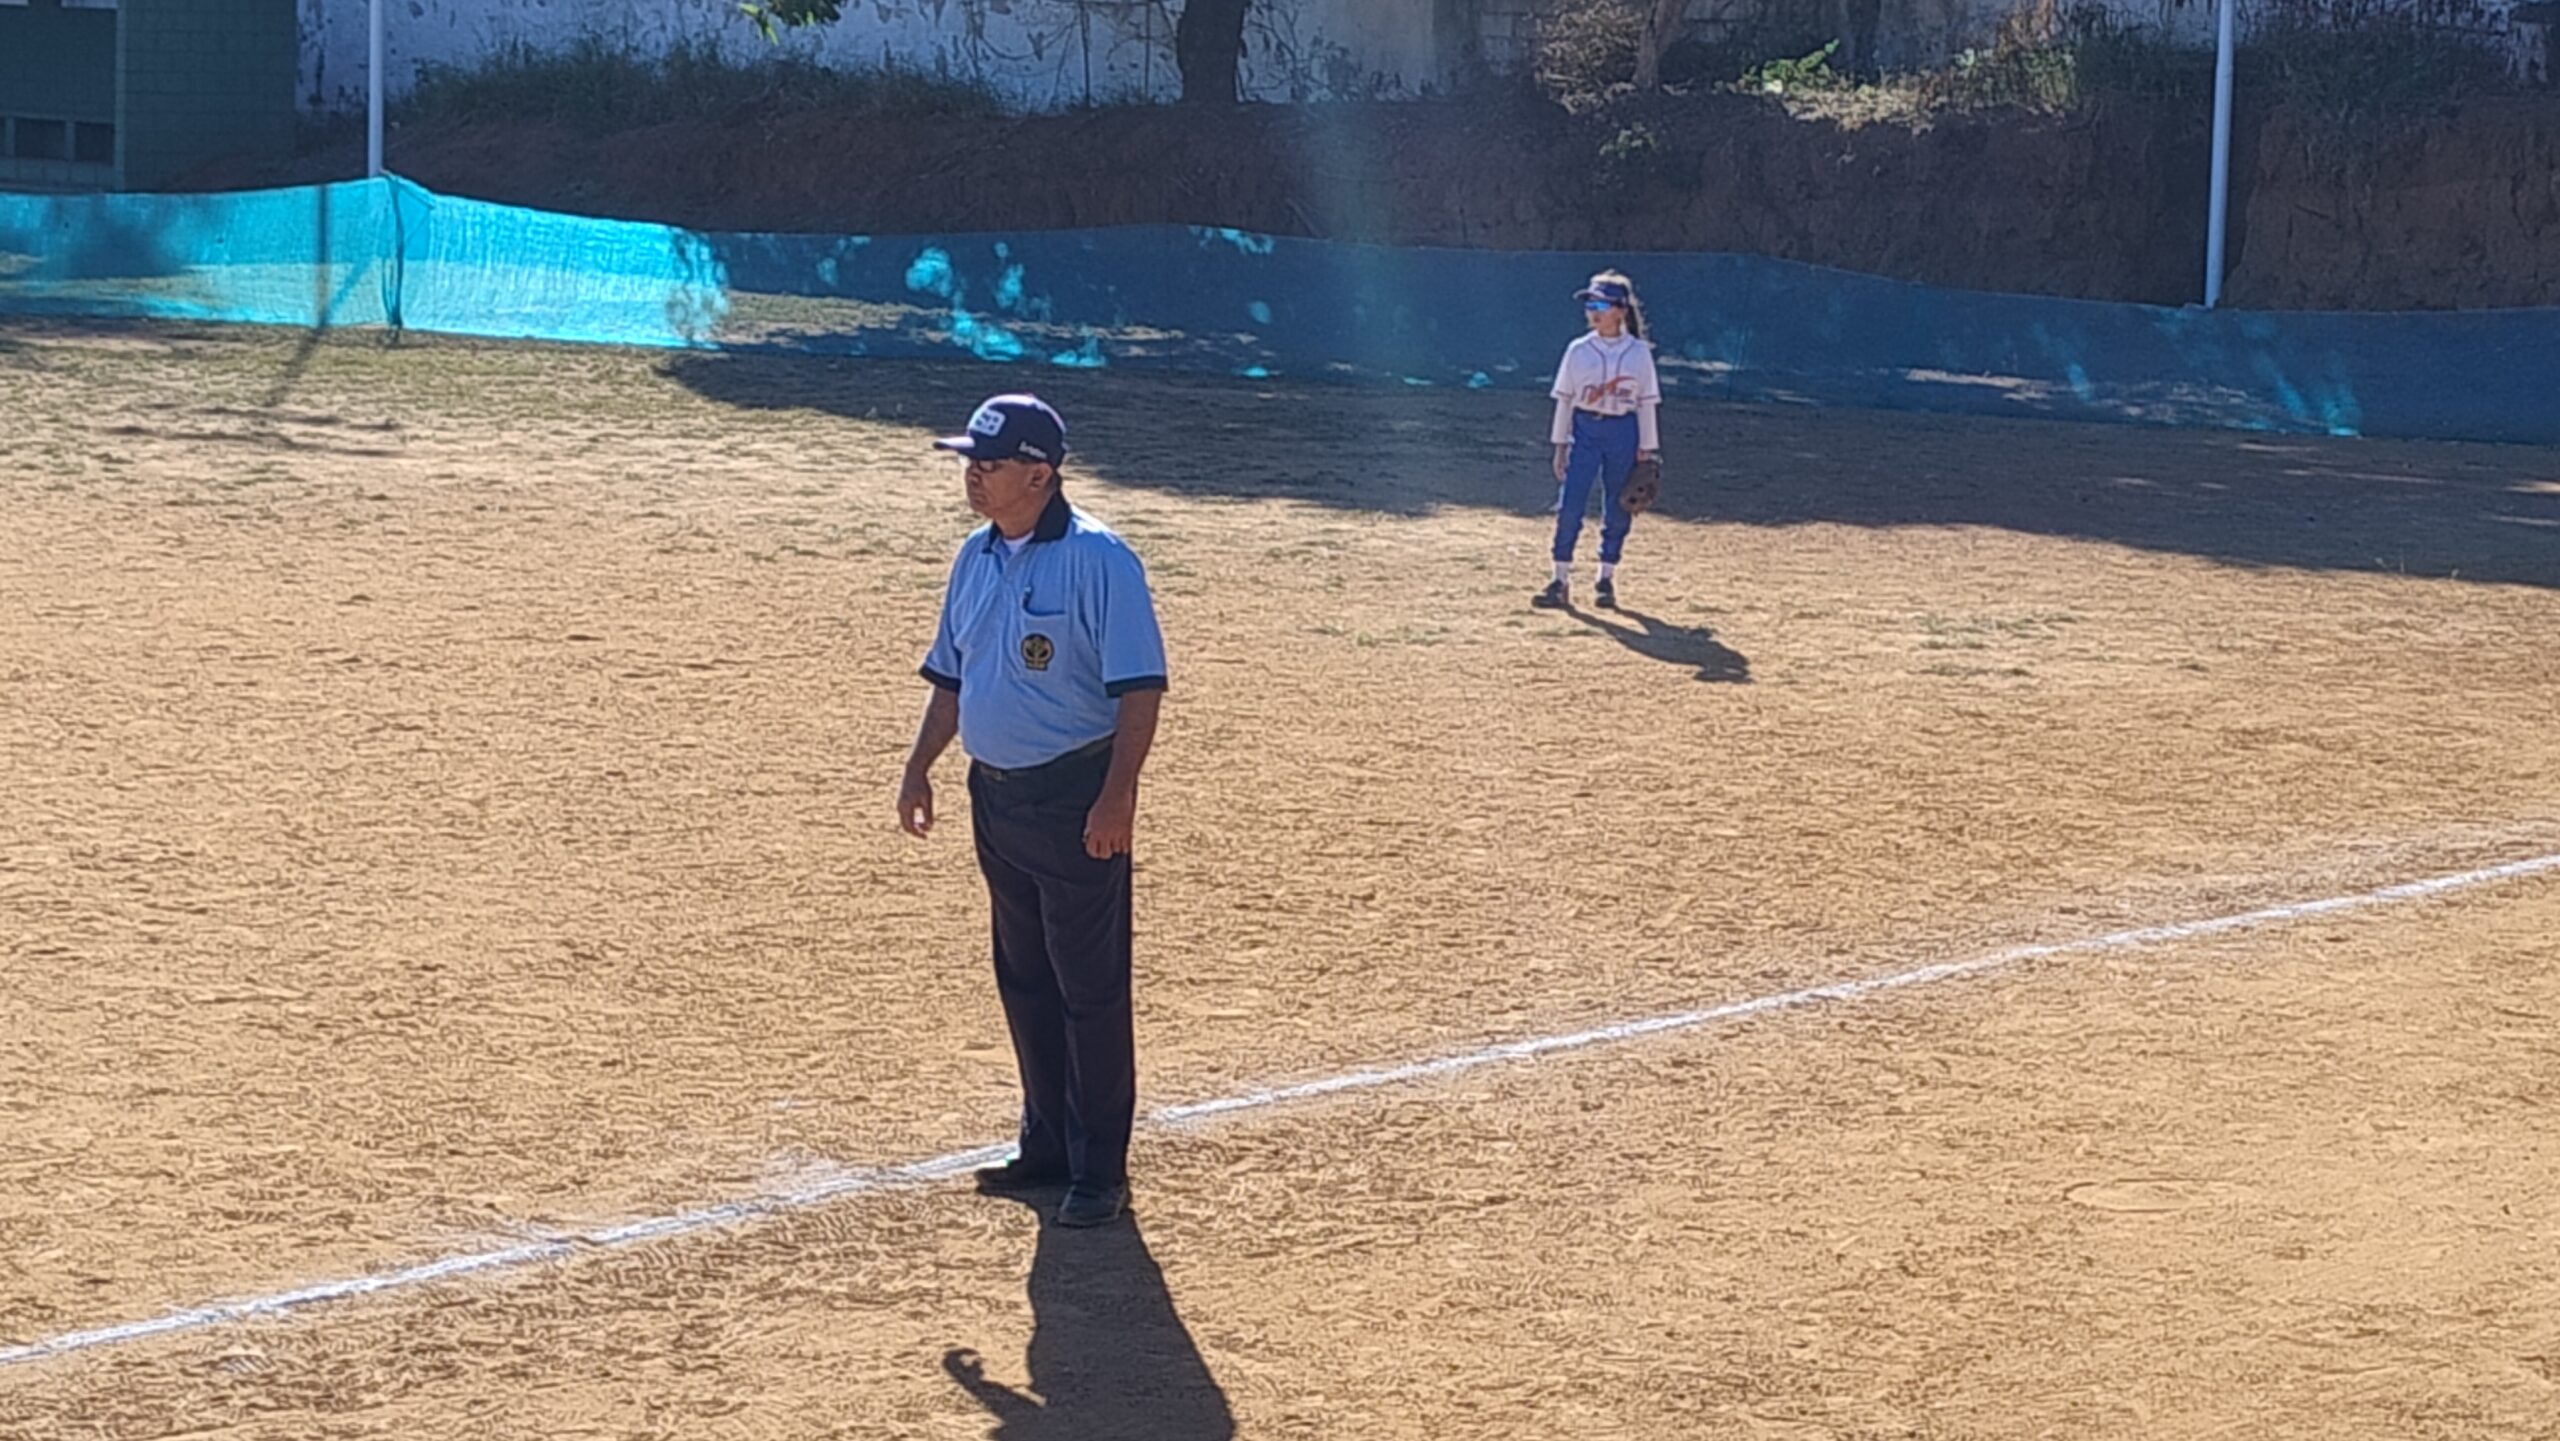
(935, 1168)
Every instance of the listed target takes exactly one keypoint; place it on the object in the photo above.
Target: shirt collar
(1052, 525)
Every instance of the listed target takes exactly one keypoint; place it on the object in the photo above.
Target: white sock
(1564, 571)
(1608, 570)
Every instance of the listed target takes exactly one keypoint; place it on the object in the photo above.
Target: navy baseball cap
(1608, 290)
(1012, 427)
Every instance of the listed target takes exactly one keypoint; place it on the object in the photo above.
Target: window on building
(39, 139)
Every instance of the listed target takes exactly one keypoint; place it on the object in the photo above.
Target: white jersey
(1608, 377)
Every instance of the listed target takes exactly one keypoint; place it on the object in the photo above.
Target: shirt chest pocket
(1046, 632)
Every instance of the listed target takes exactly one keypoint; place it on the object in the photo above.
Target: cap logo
(988, 421)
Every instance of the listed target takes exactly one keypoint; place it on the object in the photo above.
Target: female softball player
(1606, 397)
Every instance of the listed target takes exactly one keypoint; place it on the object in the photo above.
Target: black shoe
(1020, 1174)
(1552, 598)
(1093, 1205)
(1605, 595)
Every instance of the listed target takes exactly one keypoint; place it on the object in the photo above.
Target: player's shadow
(1658, 639)
(1110, 1359)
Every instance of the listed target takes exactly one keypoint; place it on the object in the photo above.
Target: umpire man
(1049, 668)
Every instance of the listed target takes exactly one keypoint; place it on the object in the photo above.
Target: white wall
(1911, 34)
(1040, 54)
(1049, 54)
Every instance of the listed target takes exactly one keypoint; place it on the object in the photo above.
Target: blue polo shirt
(1040, 643)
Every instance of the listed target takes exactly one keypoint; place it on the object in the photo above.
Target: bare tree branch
(1663, 22)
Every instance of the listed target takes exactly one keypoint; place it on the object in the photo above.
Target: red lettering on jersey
(1621, 388)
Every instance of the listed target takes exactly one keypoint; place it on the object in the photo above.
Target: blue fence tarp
(374, 253)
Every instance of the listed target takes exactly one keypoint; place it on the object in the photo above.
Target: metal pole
(2217, 220)
(373, 90)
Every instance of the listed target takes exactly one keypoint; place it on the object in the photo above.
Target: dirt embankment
(2460, 210)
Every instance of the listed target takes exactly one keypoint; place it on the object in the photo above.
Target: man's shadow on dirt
(1110, 1359)
(1657, 639)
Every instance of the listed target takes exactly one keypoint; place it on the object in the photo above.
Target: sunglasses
(1597, 306)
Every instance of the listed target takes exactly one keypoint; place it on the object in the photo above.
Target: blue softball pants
(1604, 449)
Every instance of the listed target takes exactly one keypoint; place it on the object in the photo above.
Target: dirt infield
(447, 800)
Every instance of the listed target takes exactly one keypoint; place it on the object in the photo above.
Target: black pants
(1062, 962)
